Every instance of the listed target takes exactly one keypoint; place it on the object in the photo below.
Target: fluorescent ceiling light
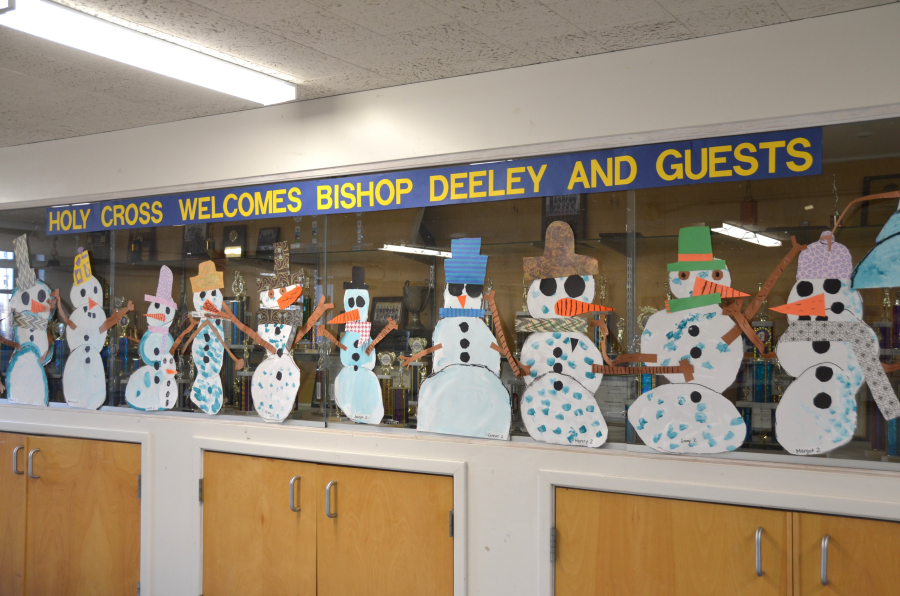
(77, 30)
(417, 251)
(747, 235)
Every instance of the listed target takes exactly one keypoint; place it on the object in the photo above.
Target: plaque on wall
(571, 209)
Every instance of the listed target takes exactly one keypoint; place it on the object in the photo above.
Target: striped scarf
(29, 321)
(569, 325)
(446, 313)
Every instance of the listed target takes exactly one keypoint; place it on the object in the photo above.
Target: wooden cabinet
(618, 544)
(381, 533)
(73, 527)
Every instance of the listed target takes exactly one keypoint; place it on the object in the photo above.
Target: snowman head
(280, 298)
(162, 308)
(86, 293)
(464, 273)
(30, 295)
(356, 295)
(464, 296)
(695, 262)
(207, 286)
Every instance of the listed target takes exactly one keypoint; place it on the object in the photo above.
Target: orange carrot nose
(288, 298)
(462, 301)
(350, 315)
(171, 372)
(209, 307)
(703, 287)
(814, 306)
(568, 307)
(37, 306)
(91, 303)
(158, 316)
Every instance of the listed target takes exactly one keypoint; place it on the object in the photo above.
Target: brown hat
(559, 258)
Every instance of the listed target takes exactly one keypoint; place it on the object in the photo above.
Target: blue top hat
(466, 266)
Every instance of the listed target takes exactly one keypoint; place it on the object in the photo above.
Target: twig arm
(114, 318)
(321, 309)
(253, 334)
(405, 361)
(501, 337)
(239, 362)
(391, 325)
(62, 313)
(185, 332)
(322, 332)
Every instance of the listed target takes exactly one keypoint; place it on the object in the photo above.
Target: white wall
(763, 77)
(822, 70)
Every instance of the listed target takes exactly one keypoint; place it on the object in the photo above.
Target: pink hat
(817, 262)
(163, 289)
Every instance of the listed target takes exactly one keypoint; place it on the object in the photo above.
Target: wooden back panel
(12, 516)
(83, 518)
(616, 544)
(253, 544)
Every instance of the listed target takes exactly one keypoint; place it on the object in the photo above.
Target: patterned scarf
(164, 331)
(446, 313)
(26, 320)
(568, 325)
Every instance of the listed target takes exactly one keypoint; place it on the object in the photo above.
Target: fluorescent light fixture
(747, 235)
(83, 32)
(417, 251)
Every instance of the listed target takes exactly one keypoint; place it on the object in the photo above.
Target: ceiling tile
(547, 49)
(678, 7)
(747, 15)
(637, 35)
(466, 9)
(536, 22)
(803, 9)
(593, 15)
(386, 16)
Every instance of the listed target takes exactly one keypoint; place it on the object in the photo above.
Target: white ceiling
(330, 47)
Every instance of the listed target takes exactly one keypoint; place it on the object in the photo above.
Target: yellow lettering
(131, 214)
(390, 186)
(118, 215)
(747, 159)
(360, 193)
(703, 164)
(54, 220)
(456, 182)
(216, 214)
(536, 178)
(445, 186)
(75, 225)
(277, 200)
(404, 186)
(294, 198)
(804, 155)
(772, 146)
(337, 196)
(677, 169)
(492, 192)
(511, 179)
(715, 159)
(347, 193)
(233, 212)
(597, 170)
(578, 175)
(262, 206)
(632, 169)
(474, 183)
(103, 211)
(156, 208)
(324, 197)
(188, 209)
(249, 211)
(85, 213)
(145, 214)
(203, 208)
(65, 220)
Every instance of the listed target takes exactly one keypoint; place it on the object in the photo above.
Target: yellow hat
(82, 271)
(208, 278)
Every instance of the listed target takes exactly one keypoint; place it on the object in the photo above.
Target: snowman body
(464, 340)
(558, 404)
(153, 386)
(356, 387)
(276, 380)
(26, 377)
(84, 379)
(208, 352)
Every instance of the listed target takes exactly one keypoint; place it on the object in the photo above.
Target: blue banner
(779, 154)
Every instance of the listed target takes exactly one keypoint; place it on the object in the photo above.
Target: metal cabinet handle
(16, 450)
(328, 499)
(824, 571)
(31, 463)
(291, 493)
(759, 569)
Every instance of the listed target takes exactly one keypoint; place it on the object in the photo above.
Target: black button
(155, 351)
(558, 385)
(355, 368)
(694, 331)
(696, 352)
(355, 356)
(206, 337)
(87, 349)
(277, 330)
(557, 352)
(822, 401)
(156, 380)
(464, 327)
(206, 360)
(279, 352)
(87, 360)
(87, 338)
(696, 397)
(464, 356)
(206, 348)
(824, 373)
(278, 375)
(156, 365)
(557, 368)
(573, 343)
(820, 347)
(356, 344)
(464, 343)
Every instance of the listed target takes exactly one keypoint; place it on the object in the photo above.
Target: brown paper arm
(634, 358)
(114, 319)
(321, 309)
(10, 343)
(889, 368)
(253, 334)
(322, 332)
(391, 325)
(501, 337)
(192, 324)
(733, 310)
(407, 360)
(894, 194)
(62, 313)
(684, 368)
(239, 362)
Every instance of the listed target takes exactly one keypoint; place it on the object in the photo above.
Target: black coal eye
(83, 293)
(96, 289)
(832, 286)
(213, 293)
(717, 274)
(25, 298)
(474, 290)
(202, 295)
(548, 287)
(455, 289)
(574, 286)
(804, 289)
(360, 302)
(156, 305)
(167, 310)
(42, 295)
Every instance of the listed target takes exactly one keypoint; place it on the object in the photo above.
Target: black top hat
(359, 280)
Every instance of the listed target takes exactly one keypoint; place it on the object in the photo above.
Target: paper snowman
(356, 388)
(558, 404)
(84, 379)
(818, 411)
(464, 395)
(692, 418)
(276, 380)
(145, 386)
(207, 348)
(30, 303)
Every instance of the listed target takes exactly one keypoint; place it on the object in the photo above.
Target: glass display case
(400, 257)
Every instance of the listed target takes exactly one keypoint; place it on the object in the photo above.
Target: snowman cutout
(84, 380)
(356, 388)
(818, 411)
(143, 391)
(463, 395)
(207, 344)
(32, 305)
(558, 405)
(692, 417)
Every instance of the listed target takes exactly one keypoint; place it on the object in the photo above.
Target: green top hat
(695, 251)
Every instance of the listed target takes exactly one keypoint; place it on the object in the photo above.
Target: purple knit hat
(163, 289)
(817, 262)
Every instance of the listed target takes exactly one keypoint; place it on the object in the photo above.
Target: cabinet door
(12, 515)
(625, 545)
(862, 555)
(84, 518)
(391, 534)
(253, 544)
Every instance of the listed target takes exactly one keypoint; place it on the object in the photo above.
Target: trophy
(417, 344)
(414, 299)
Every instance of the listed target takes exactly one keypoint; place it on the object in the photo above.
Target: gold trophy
(386, 359)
